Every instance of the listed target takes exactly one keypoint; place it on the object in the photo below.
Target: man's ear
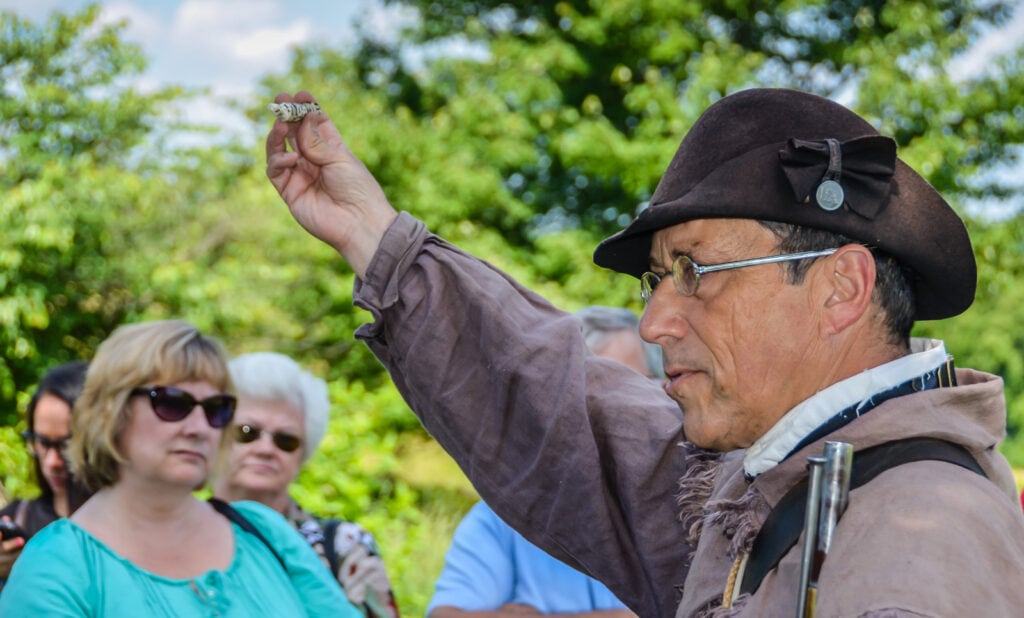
(850, 283)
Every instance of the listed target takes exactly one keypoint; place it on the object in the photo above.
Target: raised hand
(327, 189)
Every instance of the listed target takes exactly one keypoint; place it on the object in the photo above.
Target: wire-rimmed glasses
(686, 273)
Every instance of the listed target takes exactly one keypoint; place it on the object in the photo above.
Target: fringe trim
(695, 486)
(740, 520)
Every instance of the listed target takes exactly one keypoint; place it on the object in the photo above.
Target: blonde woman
(145, 435)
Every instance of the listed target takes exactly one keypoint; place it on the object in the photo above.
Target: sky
(227, 45)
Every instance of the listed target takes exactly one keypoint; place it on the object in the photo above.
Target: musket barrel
(835, 492)
(815, 471)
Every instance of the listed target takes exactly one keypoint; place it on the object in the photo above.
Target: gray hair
(601, 323)
(894, 291)
(269, 375)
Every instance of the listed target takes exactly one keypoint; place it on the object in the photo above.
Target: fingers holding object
(293, 109)
(290, 111)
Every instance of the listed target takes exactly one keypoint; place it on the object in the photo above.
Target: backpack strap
(232, 514)
(783, 526)
(21, 514)
(330, 550)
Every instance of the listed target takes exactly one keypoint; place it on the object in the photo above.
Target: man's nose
(664, 314)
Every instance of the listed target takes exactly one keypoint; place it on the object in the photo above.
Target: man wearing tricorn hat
(784, 258)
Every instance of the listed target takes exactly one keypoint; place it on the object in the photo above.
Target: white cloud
(990, 46)
(211, 112)
(34, 10)
(143, 26)
(237, 40)
(384, 23)
(221, 15)
(270, 46)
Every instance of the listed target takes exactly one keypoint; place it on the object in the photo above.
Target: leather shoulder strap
(330, 549)
(782, 528)
(232, 514)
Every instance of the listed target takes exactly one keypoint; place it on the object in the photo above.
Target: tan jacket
(926, 538)
(583, 457)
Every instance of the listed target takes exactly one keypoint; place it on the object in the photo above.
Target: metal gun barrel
(815, 471)
(835, 492)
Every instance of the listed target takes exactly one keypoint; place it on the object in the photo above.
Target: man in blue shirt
(491, 570)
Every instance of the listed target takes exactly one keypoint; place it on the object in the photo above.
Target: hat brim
(917, 227)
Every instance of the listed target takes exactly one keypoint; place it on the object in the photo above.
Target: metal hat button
(830, 195)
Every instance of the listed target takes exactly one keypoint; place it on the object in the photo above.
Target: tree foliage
(70, 120)
(606, 88)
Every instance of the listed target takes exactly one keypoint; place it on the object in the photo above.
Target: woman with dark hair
(49, 429)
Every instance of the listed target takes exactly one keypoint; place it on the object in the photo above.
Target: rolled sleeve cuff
(380, 290)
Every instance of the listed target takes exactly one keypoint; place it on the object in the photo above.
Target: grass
(418, 550)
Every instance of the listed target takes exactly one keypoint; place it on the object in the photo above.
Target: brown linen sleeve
(578, 453)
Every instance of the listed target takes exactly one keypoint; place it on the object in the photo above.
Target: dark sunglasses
(173, 404)
(40, 444)
(250, 433)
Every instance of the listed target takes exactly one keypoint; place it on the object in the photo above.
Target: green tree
(990, 335)
(70, 123)
(604, 90)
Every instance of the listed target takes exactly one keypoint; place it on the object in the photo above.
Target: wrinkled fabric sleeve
(478, 571)
(578, 453)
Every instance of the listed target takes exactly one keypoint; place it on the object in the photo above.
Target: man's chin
(707, 438)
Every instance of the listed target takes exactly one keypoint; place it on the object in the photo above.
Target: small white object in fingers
(293, 112)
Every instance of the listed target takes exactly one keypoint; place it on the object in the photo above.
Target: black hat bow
(856, 172)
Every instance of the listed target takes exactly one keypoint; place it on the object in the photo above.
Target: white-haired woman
(279, 422)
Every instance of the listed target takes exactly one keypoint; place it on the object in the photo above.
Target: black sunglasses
(250, 433)
(173, 404)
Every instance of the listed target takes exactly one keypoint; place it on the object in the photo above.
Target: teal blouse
(65, 571)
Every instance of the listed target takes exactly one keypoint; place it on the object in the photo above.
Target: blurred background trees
(524, 132)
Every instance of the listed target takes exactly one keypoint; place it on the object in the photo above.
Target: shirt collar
(777, 442)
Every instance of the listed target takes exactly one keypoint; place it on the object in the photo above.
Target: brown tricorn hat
(792, 157)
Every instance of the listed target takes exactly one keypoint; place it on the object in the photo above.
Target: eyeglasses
(173, 404)
(250, 433)
(41, 444)
(686, 273)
